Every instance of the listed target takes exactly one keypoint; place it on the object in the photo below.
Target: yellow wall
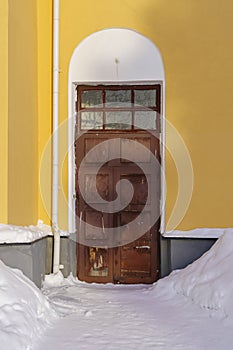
(22, 143)
(195, 39)
(3, 110)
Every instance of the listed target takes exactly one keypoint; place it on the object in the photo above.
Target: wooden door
(137, 261)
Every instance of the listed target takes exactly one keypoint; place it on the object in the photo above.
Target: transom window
(127, 107)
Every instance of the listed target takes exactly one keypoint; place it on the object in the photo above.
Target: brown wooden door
(137, 261)
(133, 260)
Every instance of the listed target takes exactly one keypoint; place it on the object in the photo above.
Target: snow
(191, 309)
(208, 282)
(24, 311)
(198, 233)
(12, 234)
(23, 234)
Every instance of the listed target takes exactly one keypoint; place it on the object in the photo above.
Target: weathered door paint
(98, 108)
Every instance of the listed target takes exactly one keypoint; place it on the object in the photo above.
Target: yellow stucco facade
(22, 112)
(195, 41)
(4, 111)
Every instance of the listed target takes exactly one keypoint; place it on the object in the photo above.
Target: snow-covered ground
(192, 309)
(24, 311)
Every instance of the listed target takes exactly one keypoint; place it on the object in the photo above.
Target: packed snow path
(131, 317)
(192, 309)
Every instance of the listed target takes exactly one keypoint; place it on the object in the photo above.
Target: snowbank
(24, 310)
(57, 280)
(208, 281)
(197, 233)
(23, 234)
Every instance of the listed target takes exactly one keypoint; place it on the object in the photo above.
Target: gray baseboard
(28, 257)
(177, 253)
(35, 259)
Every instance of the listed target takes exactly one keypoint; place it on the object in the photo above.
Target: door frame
(71, 152)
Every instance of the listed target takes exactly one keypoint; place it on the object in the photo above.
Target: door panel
(102, 149)
(139, 183)
(97, 262)
(94, 264)
(137, 262)
(99, 181)
(135, 150)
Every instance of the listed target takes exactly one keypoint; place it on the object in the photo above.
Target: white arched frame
(112, 56)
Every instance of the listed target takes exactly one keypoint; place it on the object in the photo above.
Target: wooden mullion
(158, 105)
(133, 108)
(104, 113)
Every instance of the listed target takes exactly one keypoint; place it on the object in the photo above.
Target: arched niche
(116, 56)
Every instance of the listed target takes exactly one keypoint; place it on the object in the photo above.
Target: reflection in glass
(118, 120)
(92, 98)
(115, 98)
(145, 120)
(145, 97)
(91, 120)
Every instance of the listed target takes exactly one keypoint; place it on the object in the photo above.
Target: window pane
(92, 98)
(145, 97)
(116, 98)
(145, 120)
(91, 120)
(118, 120)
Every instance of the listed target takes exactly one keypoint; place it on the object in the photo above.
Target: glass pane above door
(92, 98)
(118, 120)
(91, 120)
(145, 98)
(117, 98)
(145, 120)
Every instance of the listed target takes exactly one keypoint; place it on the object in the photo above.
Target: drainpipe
(55, 180)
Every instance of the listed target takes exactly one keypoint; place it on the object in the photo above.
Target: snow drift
(24, 310)
(23, 234)
(208, 281)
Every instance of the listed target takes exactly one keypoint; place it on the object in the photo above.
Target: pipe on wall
(55, 165)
